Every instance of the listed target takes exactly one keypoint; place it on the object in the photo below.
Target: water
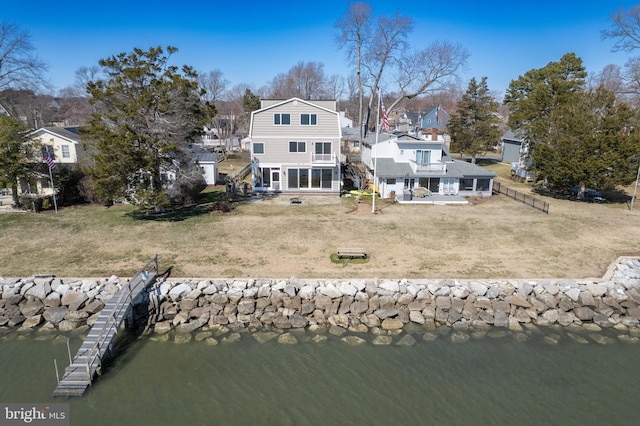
(485, 381)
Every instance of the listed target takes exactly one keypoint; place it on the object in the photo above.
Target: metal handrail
(94, 352)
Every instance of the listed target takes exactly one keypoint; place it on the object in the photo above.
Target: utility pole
(635, 189)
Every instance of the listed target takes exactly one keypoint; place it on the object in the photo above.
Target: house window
(258, 147)
(282, 119)
(308, 119)
(321, 178)
(423, 157)
(65, 151)
(409, 183)
(297, 146)
(391, 181)
(482, 184)
(323, 147)
(432, 184)
(49, 149)
(292, 179)
(263, 177)
(298, 178)
(466, 184)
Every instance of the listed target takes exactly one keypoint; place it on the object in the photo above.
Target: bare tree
(383, 51)
(625, 29)
(20, 68)
(74, 107)
(303, 80)
(33, 109)
(214, 87)
(610, 78)
(214, 84)
(336, 87)
(85, 75)
(354, 29)
(433, 68)
(236, 96)
(351, 104)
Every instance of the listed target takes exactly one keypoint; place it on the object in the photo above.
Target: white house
(62, 145)
(419, 169)
(61, 142)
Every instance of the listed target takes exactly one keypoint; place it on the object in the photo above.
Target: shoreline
(389, 311)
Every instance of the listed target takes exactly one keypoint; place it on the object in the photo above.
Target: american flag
(385, 119)
(49, 160)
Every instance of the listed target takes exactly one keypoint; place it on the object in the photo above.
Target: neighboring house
(511, 144)
(517, 151)
(434, 118)
(62, 145)
(295, 147)
(350, 141)
(61, 142)
(208, 162)
(408, 123)
(419, 169)
(345, 122)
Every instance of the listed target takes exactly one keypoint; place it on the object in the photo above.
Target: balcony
(430, 167)
(324, 159)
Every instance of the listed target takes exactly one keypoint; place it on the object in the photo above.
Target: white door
(448, 187)
(275, 179)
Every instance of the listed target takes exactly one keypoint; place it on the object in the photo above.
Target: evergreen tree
(16, 154)
(593, 145)
(145, 111)
(250, 102)
(532, 97)
(578, 137)
(474, 126)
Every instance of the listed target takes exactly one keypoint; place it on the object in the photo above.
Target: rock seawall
(384, 307)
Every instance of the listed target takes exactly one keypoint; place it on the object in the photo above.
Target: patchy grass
(495, 238)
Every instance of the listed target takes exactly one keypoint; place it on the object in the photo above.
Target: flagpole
(373, 191)
(55, 203)
(51, 165)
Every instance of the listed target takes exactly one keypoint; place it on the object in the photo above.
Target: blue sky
(252, 43)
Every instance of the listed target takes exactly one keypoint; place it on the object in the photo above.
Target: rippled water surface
(494, 380)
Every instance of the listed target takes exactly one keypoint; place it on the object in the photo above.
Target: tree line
(141, 111)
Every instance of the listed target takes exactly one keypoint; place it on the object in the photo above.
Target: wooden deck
(87, 363)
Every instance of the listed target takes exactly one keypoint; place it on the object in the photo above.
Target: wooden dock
(87, 363)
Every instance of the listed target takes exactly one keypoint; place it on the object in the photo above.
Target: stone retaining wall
(385, 307)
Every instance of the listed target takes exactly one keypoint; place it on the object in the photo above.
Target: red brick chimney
(434, 134)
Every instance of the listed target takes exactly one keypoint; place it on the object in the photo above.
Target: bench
(352, 253)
